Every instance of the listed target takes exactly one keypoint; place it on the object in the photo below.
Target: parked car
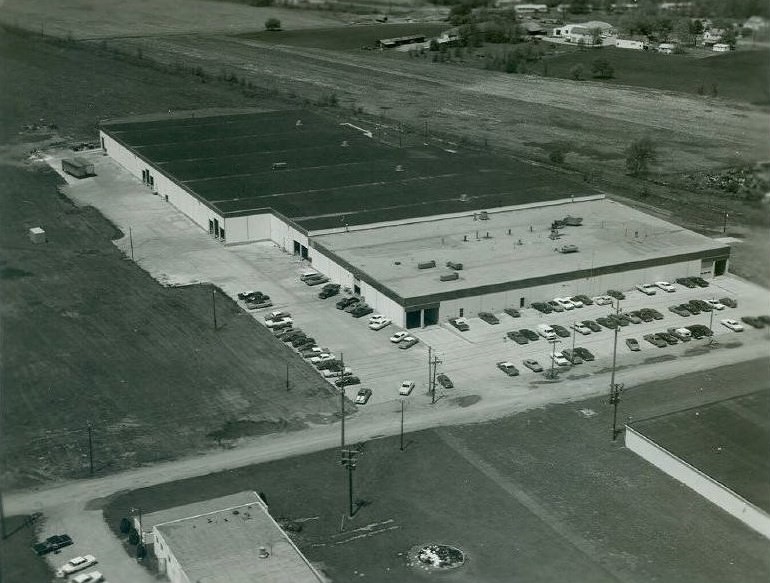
(333, 364)
(608, 323)
(489, 317)
(683, 334)
(323, 357)
(328, 292)
(52, 544)
(528, 334)
(346, 301)
(347, 380)
(533, 365)
(445, 381)
(379, 324)
(699, 331)
(618, 295)
(336, 371)
(765, 319)
(361, 310)
(363, 395)
(656, 315)
(316, 280)
(310, 274)
(508, 368)
(729, 302)
(303, 342)
(581, 328)
(258, 303)
(731, 324)
(633, 317)
(517, 337)
(559, 359)
(646, 288)
(561, 331)
(280, 323)
(555, 306)
(460, 323)
(584, 299)
(603, 300)
(686, 282)
(293, 333)
(702, 305)
(277, 315)
(566, 303)
(576, 302)
(665, 286)
(668, 338)
(679, 310)
(591, 325)
(633, 344)
(753, 322)
(546, 331)
(408, 342)
(700, 282)
(512, 312)
(692, 308)
(76, 564)
(353, 306)
(619, 319)
(91, 577)
(398, 337)
(312, 351)
(543, 308)
(406, 388)
(572, 356)
(645, 315)
(585, 354)
(716, 304)
(655, 340)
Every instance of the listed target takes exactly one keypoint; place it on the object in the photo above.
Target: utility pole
(214, 306)
(615, 388)
(342, 408)
(349, 461)
(402, 425)
(3, 534)
(287, 376)
(141, 528)
(724, 224)
(712, 341)
(552, 373)
(90, 450)
(432, 381)
(131, 242)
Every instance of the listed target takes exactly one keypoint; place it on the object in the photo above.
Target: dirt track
(521, 114)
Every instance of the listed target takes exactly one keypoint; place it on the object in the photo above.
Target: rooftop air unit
(426, 264)
(449, 276)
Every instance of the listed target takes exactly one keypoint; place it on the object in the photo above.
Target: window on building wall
(103, 146)
(222, 234)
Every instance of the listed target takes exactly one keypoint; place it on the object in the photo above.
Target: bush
(133, 537)
(576, 72)
(141, 551)
(272, 24)
(639, 155)
(557, 156)
(602, 69)
(125, 525)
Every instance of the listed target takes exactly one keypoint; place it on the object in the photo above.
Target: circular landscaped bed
(440, 557)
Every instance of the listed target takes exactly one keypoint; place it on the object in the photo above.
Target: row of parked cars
(77, 564)
(694, 307)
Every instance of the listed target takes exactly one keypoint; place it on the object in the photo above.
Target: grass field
(17, 561)
(727, 440)
(741, 76)
(348, 38)
(88, 336)
(543, 496)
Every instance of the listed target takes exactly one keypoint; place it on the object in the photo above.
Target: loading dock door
(296, 248)
(430, 316)
(720, 266)
(413, 319)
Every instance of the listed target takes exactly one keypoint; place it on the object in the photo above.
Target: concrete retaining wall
(704, 485)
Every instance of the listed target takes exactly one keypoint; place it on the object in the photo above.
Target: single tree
(141, 551)
(272, 24)
(557, 155)
(602, 69)
(729, 37)
(639, 155)
(433, 45)
(596, 36)
(577, 72)
(125, 525)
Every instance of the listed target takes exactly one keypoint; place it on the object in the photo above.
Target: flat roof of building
(322, 174)
(725, 440)
(224, 547)
(196, 508)
(511, 250)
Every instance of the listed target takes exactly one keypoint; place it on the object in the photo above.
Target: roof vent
(455, 266)
(280, 165)
(449, 276)
(298, 124)
(399, 168)
(344, 143)
(426, 264)
(464, 197)
(263, 554)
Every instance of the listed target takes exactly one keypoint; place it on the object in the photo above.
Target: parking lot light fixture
(614, 387)
(552, 374)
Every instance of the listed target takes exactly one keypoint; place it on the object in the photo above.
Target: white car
(576, 303)
(379, 324)
(398, 337)
(546, 331)
(716, 304)
(277, 315)
(602, 300)
(92, 577)
(580, 327)
(733, 325)
(76, 564)
(565, 303)
(322, 358)
(559, 359)
(376, 317)
(406, 388)
(279, 323)
(665, 286)
(328, 374)
(646, 288)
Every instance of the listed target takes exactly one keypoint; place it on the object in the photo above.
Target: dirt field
(543, 496)
(88, 336)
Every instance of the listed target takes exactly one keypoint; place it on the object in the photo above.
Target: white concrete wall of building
(331, 269)
(382, 304)
(167, 562)
(284, 235)
(623, 281)
(726, 499)
(248, 228)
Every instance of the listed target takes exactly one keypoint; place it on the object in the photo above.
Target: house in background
(626, 43)
(721, 48)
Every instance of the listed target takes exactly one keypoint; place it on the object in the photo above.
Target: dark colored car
(560, 330)
(542, 308)
(583, 298)
(618, 295)
(699, 331)
(555, 306)
(52, 544)
(460, 324)
(349, 380)
(655, 340)
(362, 397)
(533, 365)
(329, 290)
(752, 321)
(692, 308)
(529, 334)
(633, 344)
(585, 354)
(292, 334)
(607, 323)
(623, 319)
(572, 356)
(765, 319)
(489, 317)
(345, 302)
(729, 302)
(361, 310)
(668, 338)
(517, 337)
(316, 280)
(303, 343)
(656, 315)
(591, 325)
(445, 381)
(646, 315)
(508, 368)
(687, 282)
(700, 282)
(679, 310)
(328, 365)
(512, 312)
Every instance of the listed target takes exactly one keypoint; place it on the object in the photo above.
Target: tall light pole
(342, 407)
(615, 388)
(402, 424)
(552, 373)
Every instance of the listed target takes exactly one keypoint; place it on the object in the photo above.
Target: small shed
(37, 235)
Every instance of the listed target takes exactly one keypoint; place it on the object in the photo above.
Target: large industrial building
(423, 233)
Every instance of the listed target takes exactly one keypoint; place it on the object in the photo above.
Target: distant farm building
(583, 31)
(756, 23)
(522, 9)
(623, 43)
(390, 43)
(721, 48)
(667, 48)
(713, 36)
(675, 6)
